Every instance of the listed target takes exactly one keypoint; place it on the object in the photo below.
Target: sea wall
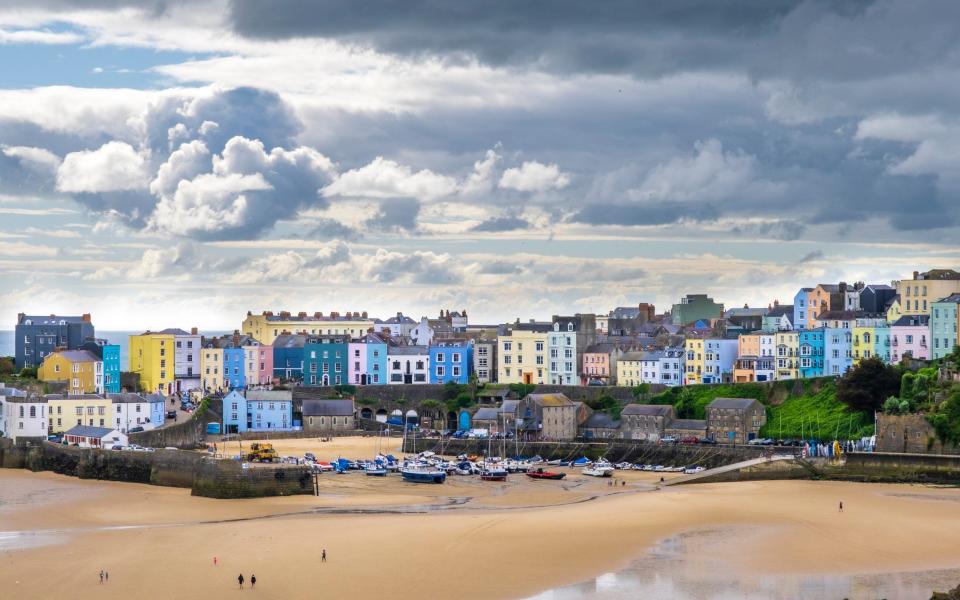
(897, 468)
(665, 454)
(205, 476)
(188, 435)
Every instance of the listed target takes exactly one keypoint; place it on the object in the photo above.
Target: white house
(408, 364)
(399, 326)
(24, 415)
(562, 347)
(663, 366)
(186, 358)
(135, 410)
(719, 358)
(86, 436)
(422, 334)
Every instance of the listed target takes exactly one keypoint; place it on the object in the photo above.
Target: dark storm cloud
(327, 229)
(659, 213)
(396, 214)
(602, 36)
(495, 224)
(780, 230)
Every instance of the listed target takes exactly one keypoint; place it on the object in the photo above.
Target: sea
(121, 338)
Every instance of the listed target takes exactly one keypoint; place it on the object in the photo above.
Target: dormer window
(569, 326)
(556, 326)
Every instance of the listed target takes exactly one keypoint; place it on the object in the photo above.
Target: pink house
(910, 335)
(258, 362)
(356, 362)
(599, 364)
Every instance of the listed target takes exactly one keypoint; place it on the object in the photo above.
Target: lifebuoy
(804, 453)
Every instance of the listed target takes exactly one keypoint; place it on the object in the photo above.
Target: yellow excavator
(261, 452)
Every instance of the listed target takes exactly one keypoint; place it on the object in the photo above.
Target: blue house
(800, 311)
(258, 411)
(451, 360)
(288, 357)
(376, 359)
(837, 350)
(233, 372)
(812, 348)
(325, 360)
(37, 336)
(111, 368)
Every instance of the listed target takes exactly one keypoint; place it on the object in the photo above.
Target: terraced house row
(828, 328)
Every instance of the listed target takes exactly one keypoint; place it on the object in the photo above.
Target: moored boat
(598, 471)
(423, 474)
(541, 474)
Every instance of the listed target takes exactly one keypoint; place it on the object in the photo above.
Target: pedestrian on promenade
(841, 506)
(101, 576)
(253, 581)
(240, 580)
(323, 555)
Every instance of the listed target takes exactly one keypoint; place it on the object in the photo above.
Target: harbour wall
(205, 476)
(188, 435)
(660, 454)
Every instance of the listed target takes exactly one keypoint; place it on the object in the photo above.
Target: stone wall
(898, 468)
(188, 435)
(205, 476)
(229, 479)
(644, 453)
(909, 433)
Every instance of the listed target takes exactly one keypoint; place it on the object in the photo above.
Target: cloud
(533, 176)
(115, 166)
(495, 224)
(418, 267)
(33, 36)
(207, 204)
(780, 229)
(384, 178)
(399, 214)
(810, 257)
(35, 159)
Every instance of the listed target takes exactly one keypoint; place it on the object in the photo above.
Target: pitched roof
(550, 399)
(509, 406)
(736, 403)
(688, 424)
(647, 410)
(51, 319)
(89, 431)
(77, 355)
(73, 397)
(632, 356)
(952, 299)
(914, 320)
(781, 310)
(270, 395)
(328, 408)
(600, 420)
(128, 398)
(408, 350)
(290, 341)
(486, 414)
(174, 331)
(541, 327)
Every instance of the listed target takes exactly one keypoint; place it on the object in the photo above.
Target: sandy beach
(466, 538)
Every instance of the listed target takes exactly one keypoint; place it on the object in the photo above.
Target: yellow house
(917, 295)
(211, 369)
(152, 356)
(80, 369)
(788, 355)
(895, 311)
(630, 369)
(863, 342)
(69, 410)
(266, 326)
(695, 363)
(523, 351)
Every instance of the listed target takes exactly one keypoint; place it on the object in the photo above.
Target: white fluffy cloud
(384, 178)
(186, 162)
(39, 36)
(207, 203)
(36, 159)
(533, 176)
(115, 166)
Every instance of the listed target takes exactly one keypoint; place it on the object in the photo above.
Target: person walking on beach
(106, 576)
(841, 506)
(323, 555)
(214, 561)
(240, 580)
(253, 581)
(101, 576)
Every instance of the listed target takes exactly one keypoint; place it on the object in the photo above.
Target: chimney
(302, 315)
(776, 303)
(364, 314)
(249, 314)
(334, 315)
(236, 337)
(916, 274)
(22, 316)
(193, 331)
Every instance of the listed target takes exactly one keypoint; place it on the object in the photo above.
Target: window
(456, 357)
(440, 371)
(539, 346)
(455, 371)
(507, 346)
(438, 357)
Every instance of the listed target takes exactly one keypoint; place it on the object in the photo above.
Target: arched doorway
(366, 413)
(464, 421)
(363, 379)
(451, 420)
(382, 415)
(412, 417)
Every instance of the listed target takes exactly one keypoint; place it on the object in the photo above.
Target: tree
(891, 405)
(451, 390)
(685, 406)
(7, 366)
(522, 389)
(866, 386)
(28, 372)
(641, 390)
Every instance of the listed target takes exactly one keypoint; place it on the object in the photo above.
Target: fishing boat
(418, 473)
(541, 474)
(376, 470)
(493, 472)
(598, 470)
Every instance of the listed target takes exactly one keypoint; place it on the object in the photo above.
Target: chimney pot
(193, 331)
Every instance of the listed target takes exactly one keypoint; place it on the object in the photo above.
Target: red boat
(541, 474)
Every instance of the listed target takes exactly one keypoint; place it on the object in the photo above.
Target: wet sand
(466, 538)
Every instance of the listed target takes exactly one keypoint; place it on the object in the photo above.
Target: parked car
(135, 430)
(171, 414)
(56, 439)
(693, 469)
(668, 439)
(117, 447)
(690, 439)
(310, 456)
(706, 440)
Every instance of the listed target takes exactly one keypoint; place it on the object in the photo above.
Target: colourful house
(266, 326)
(325, 360)
(908, 336)
(70, 410)
(755, 358)
(81, 370)
(258, 362)
(871, 340)
(523, 353)
(111, 368)
(288, 357)
(694, 364)
(451, 360)
(368, 360)
(234, 369)
(812, 349)
(258, 410)
(788, 355)
(837, 350)
(919, 294)
(945, 325)
(800, 308)
(719, 357)
(211, 368)
(151, 357)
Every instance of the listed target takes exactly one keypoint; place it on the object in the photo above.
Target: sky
(177, 163)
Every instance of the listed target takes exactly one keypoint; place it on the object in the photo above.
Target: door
(528, 378)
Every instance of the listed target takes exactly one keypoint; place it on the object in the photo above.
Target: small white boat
(598, 471)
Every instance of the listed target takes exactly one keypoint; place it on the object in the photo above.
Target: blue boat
(423, 474)
(376, 471)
